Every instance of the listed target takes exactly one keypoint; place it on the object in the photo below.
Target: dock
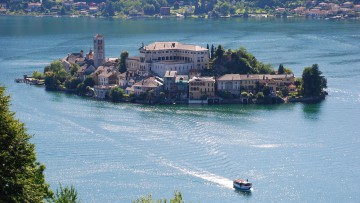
(30, 80)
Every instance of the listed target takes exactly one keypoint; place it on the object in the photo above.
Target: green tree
(74, 69)
(212, 52)
(177, 199)
(313, 81)
(266, 91)
(149, 9)
(219, 52)
(176, 5)
(37, 75)
(116, 94)
(71, 83)
(109, 9)
(64, 195)
(55, 67)
(51, 82)
(89, 81)
(21, 176)
(62, 75)
(281, 69)
(81, 88)
(122, 65)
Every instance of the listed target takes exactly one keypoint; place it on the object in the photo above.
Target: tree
(81, 88)
(51, 82)
(55, 67)
(109, 9)
(177, 199)
(63, 11)
(212, 52)
(149, 9)
(116, 94)
(176, 5)
(64, 195)
(122, 65)
(266, 91)
(281, 69)
(89, 81)
(313, 82)
(21, 176)
(74, 69)
(219, 52)
(71, 83)
(37, 75)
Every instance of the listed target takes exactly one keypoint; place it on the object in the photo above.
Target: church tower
(99, 50)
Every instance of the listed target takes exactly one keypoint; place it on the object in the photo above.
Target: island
(177, 73)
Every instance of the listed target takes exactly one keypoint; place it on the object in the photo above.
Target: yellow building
(201, 88)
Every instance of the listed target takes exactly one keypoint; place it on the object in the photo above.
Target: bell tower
(99, 50)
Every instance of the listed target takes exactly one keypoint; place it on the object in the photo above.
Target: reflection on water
(312, 111)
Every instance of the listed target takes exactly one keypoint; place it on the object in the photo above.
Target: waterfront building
(235, 83)
(34, 7)
(99, 50)
(230, 83)
(182, 86)
(165, 11)
(201, 88)
(160, 57)
(102, 91)
(148, 84)
(169, 81)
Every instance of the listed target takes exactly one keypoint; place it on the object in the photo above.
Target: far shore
(251, 16)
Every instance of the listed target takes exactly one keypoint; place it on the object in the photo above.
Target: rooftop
(173, 45)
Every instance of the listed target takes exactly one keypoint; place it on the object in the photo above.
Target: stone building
(201, 88)
(160, 57)
(99, 50)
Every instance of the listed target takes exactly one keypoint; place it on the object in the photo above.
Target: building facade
(160, 57)
(201, 88)
(235, 83)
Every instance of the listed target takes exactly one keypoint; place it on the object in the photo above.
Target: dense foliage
(238, 61)
(177, 199)
(313, 82)
(21, 176)
(122, 65)
(56, 78)
(116, 94)
(64, 195)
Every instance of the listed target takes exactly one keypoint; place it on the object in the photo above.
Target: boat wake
(205, 175)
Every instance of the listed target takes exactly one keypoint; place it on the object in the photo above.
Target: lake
(119, 152)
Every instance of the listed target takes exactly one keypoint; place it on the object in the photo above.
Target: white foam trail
(222, 181)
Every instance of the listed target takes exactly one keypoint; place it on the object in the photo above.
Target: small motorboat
(242, 185)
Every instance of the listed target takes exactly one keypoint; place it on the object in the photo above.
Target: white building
(160, 57)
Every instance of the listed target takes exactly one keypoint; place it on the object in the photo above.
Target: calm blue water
(118, 152)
